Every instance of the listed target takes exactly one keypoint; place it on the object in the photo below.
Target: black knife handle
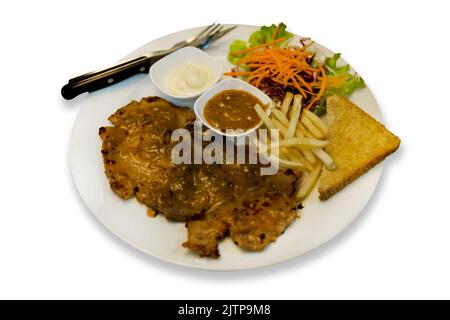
(107, 77)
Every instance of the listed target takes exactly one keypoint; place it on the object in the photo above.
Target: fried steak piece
(137, 152)
(215, 200)
(253, 220)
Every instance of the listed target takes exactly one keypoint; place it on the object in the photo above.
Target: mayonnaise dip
(190, 79)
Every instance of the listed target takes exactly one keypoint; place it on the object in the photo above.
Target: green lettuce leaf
(236, 46)
(352, 83)
(333, 69)
(266, 34)
(349, 86)
(321, 108)
(263, 35)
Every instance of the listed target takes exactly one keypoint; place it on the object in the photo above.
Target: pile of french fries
(303, 137)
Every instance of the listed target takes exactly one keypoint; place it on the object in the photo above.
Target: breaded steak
(256, 217)
(215, 200)
(137, 152)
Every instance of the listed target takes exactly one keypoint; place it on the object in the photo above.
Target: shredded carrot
(275, 34)
(337, 80)
(264, 45)
(289, 67)
(322, 89)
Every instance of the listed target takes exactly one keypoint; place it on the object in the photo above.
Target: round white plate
(320, 221)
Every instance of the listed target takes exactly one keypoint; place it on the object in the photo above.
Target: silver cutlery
(106, 77)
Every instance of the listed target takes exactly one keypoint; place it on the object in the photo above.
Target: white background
(52, 247)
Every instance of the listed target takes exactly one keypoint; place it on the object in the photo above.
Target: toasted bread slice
(357, 143)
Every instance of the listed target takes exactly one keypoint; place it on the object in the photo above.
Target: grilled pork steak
(253, 219)
(137, 153)
(215, 200)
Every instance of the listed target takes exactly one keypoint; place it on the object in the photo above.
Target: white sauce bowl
(165, 67)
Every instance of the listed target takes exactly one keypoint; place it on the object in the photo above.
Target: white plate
(320, 221)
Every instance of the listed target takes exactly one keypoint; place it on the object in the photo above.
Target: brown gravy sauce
(232, 109)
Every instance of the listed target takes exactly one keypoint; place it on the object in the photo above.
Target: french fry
(309, 183)
(299, 132)
(299, 99)
(316, 121)
(303, 142)
(296, 110)
(264, 117)
(285, 154)
(300, 158)
(325, 158)
(280, 126)
(311, 127)
(286, 164)
(272, 105)
(292, 153)
(286, 102)
(302, 131)
(291, 156)
(308, 154)
(280, 116)
(300, 142)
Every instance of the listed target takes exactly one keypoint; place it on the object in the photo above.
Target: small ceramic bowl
(169, 64)
(229, 84)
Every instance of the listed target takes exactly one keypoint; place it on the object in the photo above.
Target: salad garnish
(290, 67)
(340, 80)
(269, 62)
(265, 36)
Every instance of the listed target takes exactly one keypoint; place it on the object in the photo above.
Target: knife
(106, 77)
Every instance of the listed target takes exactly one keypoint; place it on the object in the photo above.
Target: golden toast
(358, 142)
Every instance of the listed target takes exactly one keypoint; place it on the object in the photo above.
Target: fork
(187, 42)
(123, 70)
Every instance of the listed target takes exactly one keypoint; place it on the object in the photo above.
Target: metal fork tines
(202, 40)
(182, 43)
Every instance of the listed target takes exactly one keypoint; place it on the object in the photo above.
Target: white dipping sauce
(190, 79)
